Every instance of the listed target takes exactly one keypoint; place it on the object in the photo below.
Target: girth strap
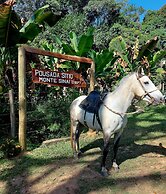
(95, 115)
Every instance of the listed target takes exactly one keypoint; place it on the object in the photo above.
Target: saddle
(91, 104)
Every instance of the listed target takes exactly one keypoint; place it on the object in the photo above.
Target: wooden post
(12, 113)
(92, 77)
(91, 132)
(22, 97)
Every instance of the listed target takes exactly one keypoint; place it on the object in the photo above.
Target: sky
(149, 4)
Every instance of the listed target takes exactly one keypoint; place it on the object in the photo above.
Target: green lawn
(52, 169)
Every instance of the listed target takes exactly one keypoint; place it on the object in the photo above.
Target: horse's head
(146, 90)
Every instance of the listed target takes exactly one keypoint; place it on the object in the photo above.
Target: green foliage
(50, 116)
(79, 46)
(25, 9)
(148, 48)
(102, 60)
(101, 12)
(13, 33)
(60, 33)
(3, 59)
(158, 56)
(10, 148)
(50, 62)
(119, 45)
(9, 26)
(154, 25)
(102, 37)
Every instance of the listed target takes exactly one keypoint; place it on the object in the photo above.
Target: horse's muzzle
(162, 100)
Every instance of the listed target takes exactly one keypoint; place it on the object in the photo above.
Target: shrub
(10, 148)
(50, 117)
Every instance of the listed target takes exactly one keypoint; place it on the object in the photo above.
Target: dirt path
(140, 172)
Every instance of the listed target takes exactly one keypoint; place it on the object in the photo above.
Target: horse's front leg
(117, 137)
(104, 171)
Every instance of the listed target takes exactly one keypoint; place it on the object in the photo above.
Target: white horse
(112, 113)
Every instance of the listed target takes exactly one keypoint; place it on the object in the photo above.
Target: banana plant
(78, 45)
(51, 62)
(137, 55)
(10, 24)
(157, 57)
(103, 60)
(11, 30)
(148, 48)
(119, 46)
(157, 67)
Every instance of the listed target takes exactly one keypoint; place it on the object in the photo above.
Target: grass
(142, 162)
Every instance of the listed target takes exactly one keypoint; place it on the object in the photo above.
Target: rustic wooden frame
(22, 82)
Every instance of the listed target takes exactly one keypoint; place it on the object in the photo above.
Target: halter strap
(146, 93)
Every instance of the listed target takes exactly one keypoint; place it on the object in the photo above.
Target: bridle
(146, 93)
(140, 98)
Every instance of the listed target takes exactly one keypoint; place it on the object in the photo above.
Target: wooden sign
(56, 78)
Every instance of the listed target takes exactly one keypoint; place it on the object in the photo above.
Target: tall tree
(154, 24)
(25, 9)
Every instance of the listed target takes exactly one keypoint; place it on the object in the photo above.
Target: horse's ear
(140, 72)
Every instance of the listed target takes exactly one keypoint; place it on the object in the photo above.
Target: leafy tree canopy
(154, 24)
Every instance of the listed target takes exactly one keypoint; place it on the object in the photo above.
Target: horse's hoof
(115, 167)
(77, 155)
(104, 172)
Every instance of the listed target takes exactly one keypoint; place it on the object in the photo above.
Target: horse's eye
(146, 83)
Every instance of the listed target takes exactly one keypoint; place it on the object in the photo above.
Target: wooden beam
(22, 97)
(22, 82)
(57, 55)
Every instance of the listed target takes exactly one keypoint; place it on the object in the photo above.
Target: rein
(138, 111)
(120, 114)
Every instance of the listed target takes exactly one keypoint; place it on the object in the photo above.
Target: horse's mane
(123, 80)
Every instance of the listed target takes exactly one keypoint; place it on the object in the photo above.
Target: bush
(10, 148)
(50, 117)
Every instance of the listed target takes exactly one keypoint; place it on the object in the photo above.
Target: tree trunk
(12, 113)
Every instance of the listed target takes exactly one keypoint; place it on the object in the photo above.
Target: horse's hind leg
(75, 133)
(104, 171)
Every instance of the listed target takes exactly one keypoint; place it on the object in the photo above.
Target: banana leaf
(35, 24)
(74, 42)
(146, 49)
(119, 46)
(85, 44)
(10, 24)
(68, 49)
(102, 60)
(158, 56)
(11, 31)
